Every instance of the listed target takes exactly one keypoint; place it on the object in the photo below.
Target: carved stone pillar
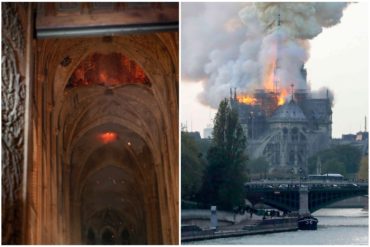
(13, 91)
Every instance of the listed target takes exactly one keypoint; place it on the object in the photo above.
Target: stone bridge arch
(287, 197)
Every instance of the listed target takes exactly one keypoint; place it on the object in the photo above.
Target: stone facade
(285, 135)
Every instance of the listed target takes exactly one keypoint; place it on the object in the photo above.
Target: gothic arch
(142, 115)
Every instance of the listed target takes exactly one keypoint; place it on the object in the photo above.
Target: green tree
(363, 172)
(225, 173)
(333, 166)
(345, 157)
(204, 145)
(192, 166)
(258, 167)
(350, 156)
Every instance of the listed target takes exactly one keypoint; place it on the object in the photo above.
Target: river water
(347, 226)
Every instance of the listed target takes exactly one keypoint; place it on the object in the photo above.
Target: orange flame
(108, 137)
(270, 80)
(246, 99)
(269, 75)
(282, 96)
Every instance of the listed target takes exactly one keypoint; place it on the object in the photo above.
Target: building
(285, 133)
(359, 140)
(207, 132)
(90, 123)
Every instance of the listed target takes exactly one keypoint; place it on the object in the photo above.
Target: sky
(338, 60)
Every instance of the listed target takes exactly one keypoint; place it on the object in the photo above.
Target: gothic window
(107, 237)
(125, 237)
(285, 133)
(291, 157)
(294, 134)
(91, 237)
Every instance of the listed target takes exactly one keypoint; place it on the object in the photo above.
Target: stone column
(214, 222)
(15, 80)
(303, 201)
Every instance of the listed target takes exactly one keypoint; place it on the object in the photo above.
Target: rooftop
(289, 112)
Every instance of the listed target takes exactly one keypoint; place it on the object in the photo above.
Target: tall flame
(270, 79)
(269, 76)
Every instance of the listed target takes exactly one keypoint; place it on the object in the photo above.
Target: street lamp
(300, 175)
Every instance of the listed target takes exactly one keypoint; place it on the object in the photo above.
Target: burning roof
(107, 69)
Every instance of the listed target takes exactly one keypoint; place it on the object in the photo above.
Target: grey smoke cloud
(236, 45)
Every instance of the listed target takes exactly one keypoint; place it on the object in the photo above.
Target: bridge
(303, 197)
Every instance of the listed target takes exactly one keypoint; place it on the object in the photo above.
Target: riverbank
(230, 225)
(336, 227)
(208, 234)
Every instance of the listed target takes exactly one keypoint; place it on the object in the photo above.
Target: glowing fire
(269, 76)
(107, 69)
(269, 73)
(282, 96)
(247, 99)
(270, 81)
(271, 84)
(108, 137)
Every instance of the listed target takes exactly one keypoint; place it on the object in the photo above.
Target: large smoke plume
(250, 45)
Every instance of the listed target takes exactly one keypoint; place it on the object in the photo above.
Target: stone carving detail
(12, 25)
(12, 110)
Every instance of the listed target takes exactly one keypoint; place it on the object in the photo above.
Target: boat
(307, 223)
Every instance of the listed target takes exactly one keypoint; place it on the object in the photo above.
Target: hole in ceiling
(107, 70)
(108, 137)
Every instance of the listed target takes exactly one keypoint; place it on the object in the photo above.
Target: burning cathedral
(284, 126)
(262, 54)
(284, 131)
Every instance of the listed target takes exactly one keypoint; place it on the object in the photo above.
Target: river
(347, 226)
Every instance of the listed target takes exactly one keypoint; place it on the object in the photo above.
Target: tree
(333, 166)
(223, 183)
(258, 167)
(192, 166)
(363, 172)
(343, 158)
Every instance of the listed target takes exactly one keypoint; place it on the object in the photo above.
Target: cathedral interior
(90, 123)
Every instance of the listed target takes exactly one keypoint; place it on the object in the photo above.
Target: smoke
(323, 93)
(242, 45)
